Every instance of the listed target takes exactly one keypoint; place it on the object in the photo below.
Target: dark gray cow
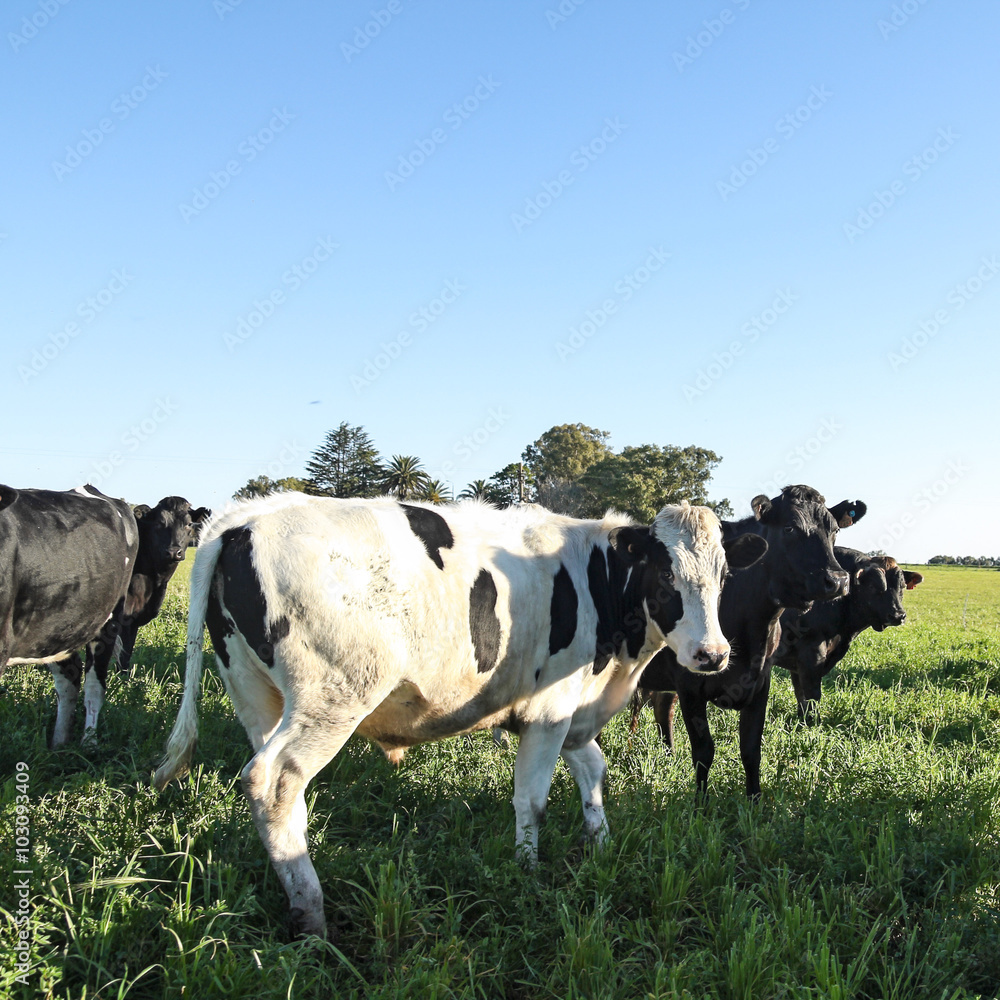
(67, 558)
(813, 642)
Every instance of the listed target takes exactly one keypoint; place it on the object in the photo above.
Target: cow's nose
(711, 657)
(176, 554)
(835, 583)
(899, 617)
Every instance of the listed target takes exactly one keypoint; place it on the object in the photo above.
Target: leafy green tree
(565, 452)
(505, 485)
(559, 458)
(404, 478)
(346, 464)
(640, 480)
(263, 486)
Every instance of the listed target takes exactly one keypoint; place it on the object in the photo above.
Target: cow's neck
(615, 588)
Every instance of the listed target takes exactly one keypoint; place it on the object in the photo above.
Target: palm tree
(404, 477)
(478, 489)
(435, 491)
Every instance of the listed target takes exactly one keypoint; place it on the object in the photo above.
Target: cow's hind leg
(275, 781)
(589, 769)
(66, 674)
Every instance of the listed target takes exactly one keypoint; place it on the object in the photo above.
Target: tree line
(570, 469)
(964, 561)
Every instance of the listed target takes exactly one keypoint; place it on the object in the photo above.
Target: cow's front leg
(66, 674)
(752, 719)
(589, 769)
(694, 711)
(538, 750)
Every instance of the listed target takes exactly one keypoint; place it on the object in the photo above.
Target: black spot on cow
(219, 627)
(484, 626)
(562, 611)
(243, 598)
(432, 529)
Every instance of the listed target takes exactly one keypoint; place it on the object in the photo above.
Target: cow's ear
(7, 496)
(848, 512)
(141, 510)
(200, 514)
(744, 550)
(632, 543)
(762, 507)
(912, 579)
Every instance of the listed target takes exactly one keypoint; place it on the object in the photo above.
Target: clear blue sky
(219, 219)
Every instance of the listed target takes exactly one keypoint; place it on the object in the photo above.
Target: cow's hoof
(302, 924)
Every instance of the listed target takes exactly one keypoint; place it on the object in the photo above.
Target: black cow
(813, 642)
(798, 568)
(165, 532)
(66, 559)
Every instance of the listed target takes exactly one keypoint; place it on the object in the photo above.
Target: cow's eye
(789, 530)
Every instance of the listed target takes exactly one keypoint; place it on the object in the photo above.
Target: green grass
(870, 868)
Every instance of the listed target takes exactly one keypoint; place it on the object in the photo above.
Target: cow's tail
(184, 736)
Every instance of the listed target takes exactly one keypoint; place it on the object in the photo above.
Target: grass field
(869, 869)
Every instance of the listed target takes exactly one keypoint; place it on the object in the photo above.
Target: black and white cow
(66, 559)
(165, 532)
(408, 623)
(813, 642)
(798, 569)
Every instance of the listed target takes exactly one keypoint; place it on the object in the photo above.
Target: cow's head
(166, 531)
(800, 530)
(680, 563)
(877, 592)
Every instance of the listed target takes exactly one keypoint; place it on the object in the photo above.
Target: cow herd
(408, 623)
